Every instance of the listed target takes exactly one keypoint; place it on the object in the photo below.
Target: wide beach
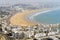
(20, 20)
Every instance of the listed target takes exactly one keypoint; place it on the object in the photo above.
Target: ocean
(50, 17)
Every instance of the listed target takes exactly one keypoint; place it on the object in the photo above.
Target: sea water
(51, 17)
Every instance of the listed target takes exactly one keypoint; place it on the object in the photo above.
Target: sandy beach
(20, 20)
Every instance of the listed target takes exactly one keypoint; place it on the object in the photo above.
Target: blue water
(52, 17)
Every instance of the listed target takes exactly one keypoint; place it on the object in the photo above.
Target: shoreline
(33, 15)
(24, 18)
(19, 18)
(30, 17)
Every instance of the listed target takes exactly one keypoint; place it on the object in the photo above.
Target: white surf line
(38, 14)
(32, 16)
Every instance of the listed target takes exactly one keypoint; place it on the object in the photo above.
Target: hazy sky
(11, 2)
